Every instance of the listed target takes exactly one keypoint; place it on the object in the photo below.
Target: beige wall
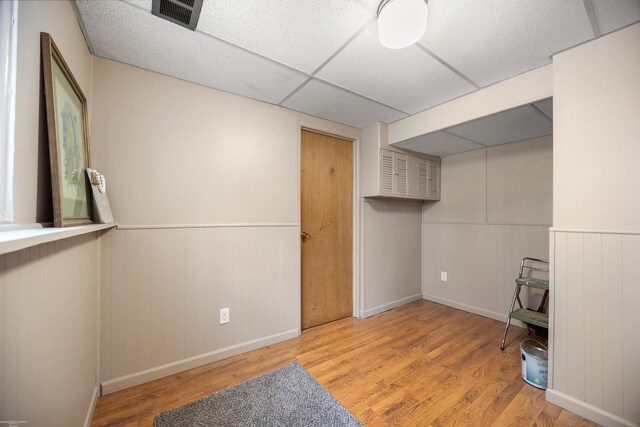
(162, 290)
(596, 344)
(391, 231)
(49, 293)
(481, 261)
(520, 182)
(391, 254)
(205, 188)
(506, 184)
(178, 153)
(596, 125)
(32, 195)
(595, 349)
(49, 332)
(369, 164)
(463, 192)
(495, 209)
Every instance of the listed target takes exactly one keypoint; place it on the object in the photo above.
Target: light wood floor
(420, 364)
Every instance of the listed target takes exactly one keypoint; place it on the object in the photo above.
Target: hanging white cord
(8, 57)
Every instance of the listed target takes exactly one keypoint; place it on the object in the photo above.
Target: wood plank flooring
(420, 364)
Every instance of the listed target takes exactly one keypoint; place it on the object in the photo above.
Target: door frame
(339, 131)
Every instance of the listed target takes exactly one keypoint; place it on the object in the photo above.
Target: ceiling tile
(438, 144)
(612, 15)
(300, 33)
(372, 5)
(492, 40)
(407, 79)
(323, 100)
(127, 34)
(517, 124)
(546, 106)
(142, 4)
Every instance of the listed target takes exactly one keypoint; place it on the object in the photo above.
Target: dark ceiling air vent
(181, 12)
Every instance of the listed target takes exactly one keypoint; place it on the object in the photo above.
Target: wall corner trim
(137, 378)
(586, 410)
(92, 406)
(393, 304)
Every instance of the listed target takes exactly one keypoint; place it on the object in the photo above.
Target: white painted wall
(205, 188)
(49, 332)
(495, 209)
(596, 286)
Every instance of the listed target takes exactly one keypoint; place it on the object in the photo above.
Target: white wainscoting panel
(49, 332)
(482, 262)
(391, 254)
(162, 290)
(596, 346)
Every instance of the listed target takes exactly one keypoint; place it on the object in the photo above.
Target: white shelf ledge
(15, 240)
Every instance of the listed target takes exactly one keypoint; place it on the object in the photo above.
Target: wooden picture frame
(66, 108)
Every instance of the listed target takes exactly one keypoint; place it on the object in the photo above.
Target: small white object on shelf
(99, 190)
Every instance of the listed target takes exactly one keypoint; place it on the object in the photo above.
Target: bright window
(8, 50)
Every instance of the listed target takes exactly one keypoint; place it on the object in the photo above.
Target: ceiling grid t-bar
(333, 55)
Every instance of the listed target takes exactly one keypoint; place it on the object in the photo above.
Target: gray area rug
(288, 396)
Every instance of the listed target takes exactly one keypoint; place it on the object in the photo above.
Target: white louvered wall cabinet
(389, 172)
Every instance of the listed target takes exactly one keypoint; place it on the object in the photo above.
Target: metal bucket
(534, 363)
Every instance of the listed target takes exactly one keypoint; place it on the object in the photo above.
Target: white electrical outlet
(224, 316)
(443, 276)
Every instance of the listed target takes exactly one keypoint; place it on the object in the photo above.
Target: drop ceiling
(323, 57)
(517, 124)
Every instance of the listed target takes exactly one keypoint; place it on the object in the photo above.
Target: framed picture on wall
(66, 108)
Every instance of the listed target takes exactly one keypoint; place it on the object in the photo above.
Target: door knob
(304, 236)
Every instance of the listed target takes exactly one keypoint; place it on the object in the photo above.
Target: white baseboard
(92, 406)
(586, 410)
(137, 378)
(472, 309)
(388, 306)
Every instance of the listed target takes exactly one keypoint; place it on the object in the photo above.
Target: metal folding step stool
(528, 316)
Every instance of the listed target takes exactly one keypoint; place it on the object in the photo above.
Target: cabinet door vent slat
(386, 175)
(434, 178)
(422, 179)
(401, 174)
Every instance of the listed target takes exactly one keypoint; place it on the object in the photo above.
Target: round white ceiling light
(401, 23)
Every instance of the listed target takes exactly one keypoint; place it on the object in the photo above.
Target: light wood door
(326, 225)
